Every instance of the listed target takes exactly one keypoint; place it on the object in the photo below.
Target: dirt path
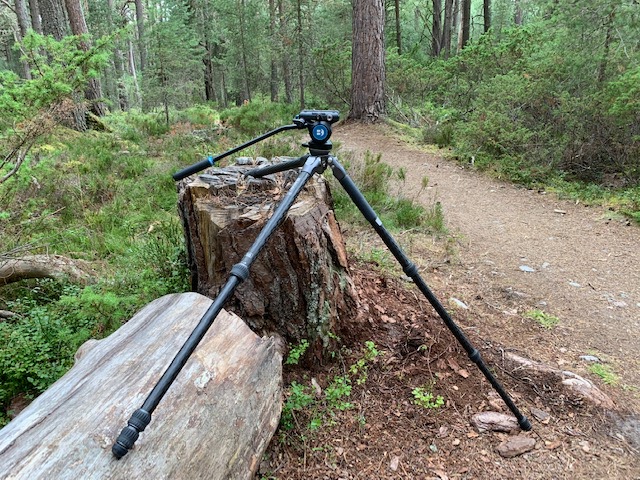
(586, 264)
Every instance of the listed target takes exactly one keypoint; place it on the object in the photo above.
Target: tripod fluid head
(318, 122)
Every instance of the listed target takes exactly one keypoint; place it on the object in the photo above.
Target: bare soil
(508, 251)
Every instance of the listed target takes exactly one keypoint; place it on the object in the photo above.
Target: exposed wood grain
(214, 422)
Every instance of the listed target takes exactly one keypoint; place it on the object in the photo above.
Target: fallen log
(215, 421)
(299, 286)
(43, 266)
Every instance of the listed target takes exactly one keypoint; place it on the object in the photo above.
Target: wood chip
(395, 462)
(516, 446)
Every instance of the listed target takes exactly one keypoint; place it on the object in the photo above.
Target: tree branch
(8, 5)
(44, 266)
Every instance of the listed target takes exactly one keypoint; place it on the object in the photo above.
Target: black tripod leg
(411, 271)
(240, 271)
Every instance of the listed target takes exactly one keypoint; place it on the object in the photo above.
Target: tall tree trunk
(285, 42)
(132, 71)
(53, 20)
(398, 31)
(142, 40)
(93, 92)
(465, 24)
(273, 80)
(486, 14)
(300, 54)
(367, 61)
(246, 92)
(24, 24)
(118, 64)
(517, 13)
(602, 68)
(447, 27)
(209, 89)
(436, 28)
(34, 8)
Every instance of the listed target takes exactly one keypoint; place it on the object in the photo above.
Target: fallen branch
(44, 266)
(6, 314)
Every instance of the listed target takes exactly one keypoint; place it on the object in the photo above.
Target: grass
(544, 319)
(107, 198)
(605, 372)
(397, 212)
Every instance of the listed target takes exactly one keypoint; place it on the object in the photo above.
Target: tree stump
(299, 285)
(215, 421)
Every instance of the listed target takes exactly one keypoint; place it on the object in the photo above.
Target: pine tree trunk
(273, 80)
(465, 24)
(53, 21)
(34, 8)
(93, 92)
(367, 62)
(246, 91)
(300, 55)
(447, 27)
(396, 6)
(436, 28)
(142, 39)
(517, 14)
(299, 285)
(24, 24)
(284, 44)
(486, 15)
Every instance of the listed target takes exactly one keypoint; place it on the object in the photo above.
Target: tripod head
(317, 122)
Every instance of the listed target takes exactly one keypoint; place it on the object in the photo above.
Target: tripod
(318, 123)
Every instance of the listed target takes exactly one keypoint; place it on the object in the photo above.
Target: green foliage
(544, 319)
(298, 398)
(372, 176)
(297, 352)
(99, 197)
(321, 408)
(361, 367)
(522, 110)
(58, 68)
(258, 116)
(32, 108)
(39, 346)
(605, 372)
(423, 397)
(174, 75)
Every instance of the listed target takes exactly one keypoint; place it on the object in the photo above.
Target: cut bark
(299, 285)
(214, 422)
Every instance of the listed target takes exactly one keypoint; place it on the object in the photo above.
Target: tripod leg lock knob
(475, 356)
(411, 270)
(129, 434)
(241, 271)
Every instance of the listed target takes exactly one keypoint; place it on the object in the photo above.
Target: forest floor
(509, 251)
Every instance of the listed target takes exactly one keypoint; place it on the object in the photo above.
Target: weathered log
(299, 285)
(214, 422)
(43, 266)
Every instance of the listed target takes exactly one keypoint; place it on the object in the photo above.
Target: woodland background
(102, 100)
